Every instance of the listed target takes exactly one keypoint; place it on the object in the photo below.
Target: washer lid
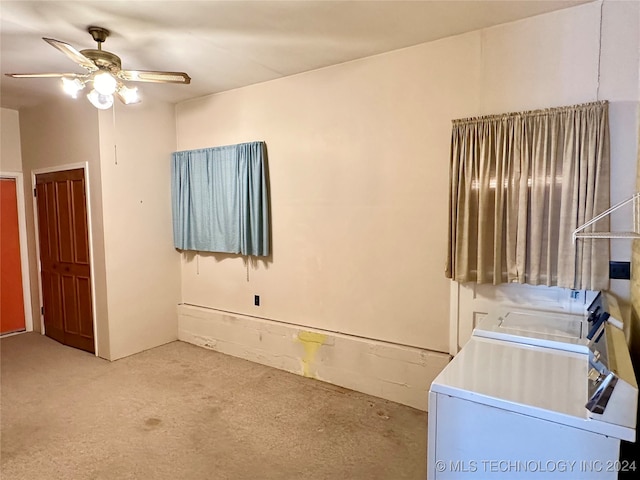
(560, 331)
(531, 380)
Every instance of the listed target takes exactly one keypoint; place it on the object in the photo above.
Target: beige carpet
(182, 412)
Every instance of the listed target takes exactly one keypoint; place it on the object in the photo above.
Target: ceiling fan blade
(150, 76)
(43, 75)
(72, 53)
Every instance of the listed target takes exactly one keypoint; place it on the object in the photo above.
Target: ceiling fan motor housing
(103, 59)
(99, 34)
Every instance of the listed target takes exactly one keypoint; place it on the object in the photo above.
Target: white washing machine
(530, 398)
(561, 331)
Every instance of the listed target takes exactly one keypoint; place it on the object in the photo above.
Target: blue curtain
(220, 199)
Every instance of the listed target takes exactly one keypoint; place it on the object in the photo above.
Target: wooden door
(64, 258)
(11, 292)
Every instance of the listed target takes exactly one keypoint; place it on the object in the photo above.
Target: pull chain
(115, 144)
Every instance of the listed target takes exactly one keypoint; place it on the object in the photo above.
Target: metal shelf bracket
(634, 200)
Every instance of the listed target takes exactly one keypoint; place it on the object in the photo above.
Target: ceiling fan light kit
(105, 73)
(128, 95)
(99, 100)
(72, 86)
(104, 83)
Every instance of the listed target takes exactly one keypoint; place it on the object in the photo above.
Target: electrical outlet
(620, 270)
(256, 300)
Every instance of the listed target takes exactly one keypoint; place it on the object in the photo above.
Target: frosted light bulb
(129, 95)
(99, 100)
(72, 86)
(104, 83)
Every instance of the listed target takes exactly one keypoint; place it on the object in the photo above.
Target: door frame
(24, 252)
(454, 317)
(61, 168)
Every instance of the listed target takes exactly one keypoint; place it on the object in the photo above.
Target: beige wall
(10, 154)
(620, 83)
(635, 314)
(635, 291)
(632, 451)
(58, 133)
(137, 270)
(544, 61)
(143, 268)
(553, 60)
(358, 165)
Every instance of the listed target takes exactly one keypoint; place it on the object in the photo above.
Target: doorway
(12, 304)
(65, 266)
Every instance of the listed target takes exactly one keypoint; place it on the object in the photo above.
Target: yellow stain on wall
(311, 342)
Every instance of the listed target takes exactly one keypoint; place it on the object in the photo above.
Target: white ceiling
(229, 44)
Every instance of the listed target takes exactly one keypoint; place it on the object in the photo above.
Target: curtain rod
(531, 113)
(262, 142)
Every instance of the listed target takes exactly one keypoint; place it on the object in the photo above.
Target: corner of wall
(11, 155)
(635, 288)
(142, 267)
(56, 133)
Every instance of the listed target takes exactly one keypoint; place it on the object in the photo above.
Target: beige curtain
(520, 183)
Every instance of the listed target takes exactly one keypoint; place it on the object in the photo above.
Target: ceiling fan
(105, 73)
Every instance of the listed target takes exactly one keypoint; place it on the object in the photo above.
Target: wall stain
(311, 342)
(152, 422)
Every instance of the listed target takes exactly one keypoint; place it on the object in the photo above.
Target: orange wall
(11, 299)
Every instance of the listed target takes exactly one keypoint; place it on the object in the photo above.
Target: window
(220, 201)
(520, 183)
